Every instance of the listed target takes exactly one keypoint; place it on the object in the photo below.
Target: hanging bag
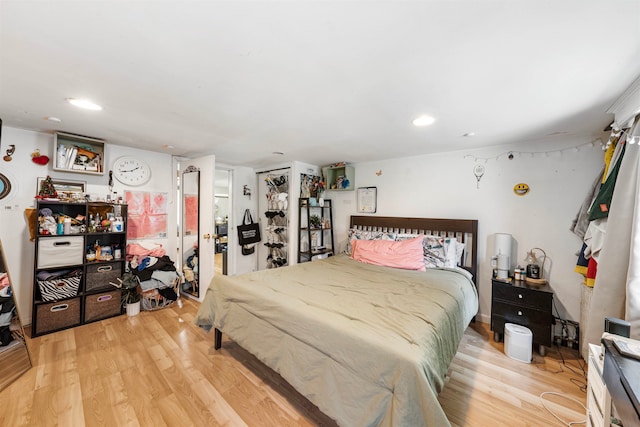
(249, 231)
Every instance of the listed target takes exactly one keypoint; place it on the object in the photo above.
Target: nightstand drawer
(524, 316)
(522, 296)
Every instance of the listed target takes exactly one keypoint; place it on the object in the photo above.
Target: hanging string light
(546, 153)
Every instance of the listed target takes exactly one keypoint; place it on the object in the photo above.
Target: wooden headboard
(464, 230)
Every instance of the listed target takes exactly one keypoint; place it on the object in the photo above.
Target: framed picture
(67, 189)
(367, 199)
(78, 154)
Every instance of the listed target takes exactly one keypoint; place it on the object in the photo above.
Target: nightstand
(523, 304)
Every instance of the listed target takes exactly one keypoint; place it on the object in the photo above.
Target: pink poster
(147, 214)
(190, 215)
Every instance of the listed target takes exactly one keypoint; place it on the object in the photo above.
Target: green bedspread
(368, 345)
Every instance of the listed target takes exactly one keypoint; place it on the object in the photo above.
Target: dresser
(523, 304)
(598, 398)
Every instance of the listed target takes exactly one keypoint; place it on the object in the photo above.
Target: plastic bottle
(60, 227)
(116, 225)
(67, 226)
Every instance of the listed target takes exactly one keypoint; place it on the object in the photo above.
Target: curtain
(617, 284)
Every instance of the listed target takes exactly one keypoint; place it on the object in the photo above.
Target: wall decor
(478, 171)
(78, 154)
(39, 159)
(10, 151)
(367, 199)
(147, 213)
(5, 186)
(521, 189)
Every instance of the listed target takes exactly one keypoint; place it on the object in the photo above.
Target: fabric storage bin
(60, 251)
(57, 315)
(99, 276)
(103, 305)
(59, 288)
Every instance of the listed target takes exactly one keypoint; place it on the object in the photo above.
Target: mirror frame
(190, 287)
(15, 358)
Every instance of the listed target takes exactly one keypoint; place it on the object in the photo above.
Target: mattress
(369, 345)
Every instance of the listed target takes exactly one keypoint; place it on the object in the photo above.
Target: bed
(369, 345)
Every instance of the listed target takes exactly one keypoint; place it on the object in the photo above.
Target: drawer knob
(520, 296)
(519, 313)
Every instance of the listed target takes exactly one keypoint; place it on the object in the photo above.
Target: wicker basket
(152, 300)
(57, 315)
(103, 305)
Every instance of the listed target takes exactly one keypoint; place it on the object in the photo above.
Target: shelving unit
(335, 177)
(78, 154)
(315, 236)
(95, 298)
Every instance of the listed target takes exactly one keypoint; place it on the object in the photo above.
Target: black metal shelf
(310, 238)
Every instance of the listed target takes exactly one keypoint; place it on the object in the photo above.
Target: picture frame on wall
(68, 190)
(367, 199)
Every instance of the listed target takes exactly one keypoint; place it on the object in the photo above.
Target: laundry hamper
(152, 300)
(518, 342)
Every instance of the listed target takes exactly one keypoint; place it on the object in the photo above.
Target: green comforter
(368, 345)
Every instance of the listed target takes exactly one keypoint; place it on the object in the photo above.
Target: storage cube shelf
(63, 260)
(340, 178)
(78, 154)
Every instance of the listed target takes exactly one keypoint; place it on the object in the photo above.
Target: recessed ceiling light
(469, 134)
(168, 146)
(423, 121)
(84, 103)
(53, 119)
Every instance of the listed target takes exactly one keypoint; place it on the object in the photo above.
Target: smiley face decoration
(521, 189)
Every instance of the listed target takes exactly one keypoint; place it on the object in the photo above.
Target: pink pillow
(405, 254)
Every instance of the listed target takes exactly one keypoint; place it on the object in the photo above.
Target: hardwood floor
(159, 369)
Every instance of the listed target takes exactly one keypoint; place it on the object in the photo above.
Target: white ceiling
(321, 81)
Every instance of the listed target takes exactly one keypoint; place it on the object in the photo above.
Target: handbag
(249, 231)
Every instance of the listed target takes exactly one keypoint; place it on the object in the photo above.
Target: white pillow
(439, 251)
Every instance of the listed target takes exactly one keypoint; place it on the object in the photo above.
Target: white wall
(444, 186)
(241, 176)
(23, 173)
(411, 186)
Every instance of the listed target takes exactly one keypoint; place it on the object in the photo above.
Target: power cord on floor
(581, 384)
(567, 423)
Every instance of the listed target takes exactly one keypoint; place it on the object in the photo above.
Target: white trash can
(518, 342)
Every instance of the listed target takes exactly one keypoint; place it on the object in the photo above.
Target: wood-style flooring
(158, 369)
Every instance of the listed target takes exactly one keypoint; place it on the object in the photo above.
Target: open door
(197, 227)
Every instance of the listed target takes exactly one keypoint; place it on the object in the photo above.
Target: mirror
(222, 210)
(190, 186)
(14, 355)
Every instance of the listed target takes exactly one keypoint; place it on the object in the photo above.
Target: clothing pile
(155, 271)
